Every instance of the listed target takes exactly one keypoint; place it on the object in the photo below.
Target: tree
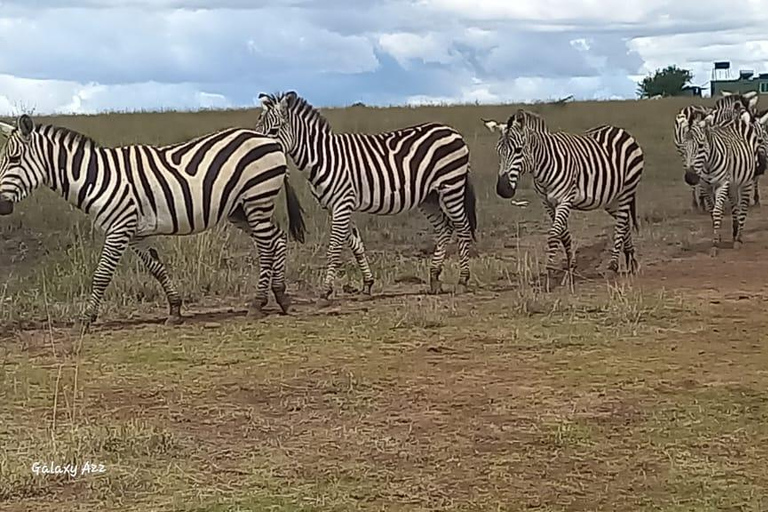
(664, 82)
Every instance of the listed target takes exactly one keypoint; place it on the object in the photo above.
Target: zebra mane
(528, 120)
(301, 108)
(66, 135)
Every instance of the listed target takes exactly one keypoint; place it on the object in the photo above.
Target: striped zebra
(701, 196)
(600, 168)
(724, 155)
(731, 106)
(424, 166)
(134, 193)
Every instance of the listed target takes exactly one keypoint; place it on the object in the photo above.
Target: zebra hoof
(255, 310)
(737, 244)
(435, 287)
(713, 252)
(367, 288)
(174, 320)
(284, 301)
(461, 289)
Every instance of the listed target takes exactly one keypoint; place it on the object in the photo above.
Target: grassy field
(646, 393)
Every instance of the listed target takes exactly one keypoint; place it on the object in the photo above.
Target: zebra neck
(543, 163)
(81, 172)
(313, 151)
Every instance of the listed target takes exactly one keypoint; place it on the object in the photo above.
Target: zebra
(425, 166)
(724, 155)
(730, 106)
(600, 168)
(134, 193)
(701, 197)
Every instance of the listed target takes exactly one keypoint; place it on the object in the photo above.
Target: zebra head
(275, 119)
(681, 129)
(513, 155)
(683, 119)
(21, 169)
(695, 149)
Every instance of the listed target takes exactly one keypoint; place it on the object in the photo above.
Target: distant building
(691, 90)
(745, 82)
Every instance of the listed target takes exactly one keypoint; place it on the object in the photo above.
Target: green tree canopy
(665, 82)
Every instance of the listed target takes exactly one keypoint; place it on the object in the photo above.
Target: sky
(87, 56)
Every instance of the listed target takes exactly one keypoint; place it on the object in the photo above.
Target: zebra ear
(265, 100)
(726, 93)
(287, 97)
(752, 99)
(763, 118)
(25, 124)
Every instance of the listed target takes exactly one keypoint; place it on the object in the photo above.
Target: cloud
(88, 55)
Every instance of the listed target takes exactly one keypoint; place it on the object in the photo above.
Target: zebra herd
(135, 193)
(724, 151)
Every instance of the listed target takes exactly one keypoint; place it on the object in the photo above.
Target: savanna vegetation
(636, 393)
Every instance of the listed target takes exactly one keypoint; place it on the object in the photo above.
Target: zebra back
(726, 151)
(733, 105)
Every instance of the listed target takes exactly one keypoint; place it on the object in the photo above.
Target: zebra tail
(470, 206)
(296, 226)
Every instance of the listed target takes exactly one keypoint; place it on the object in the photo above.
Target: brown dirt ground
(440, 422)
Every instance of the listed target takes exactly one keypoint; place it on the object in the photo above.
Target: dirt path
(732, 274)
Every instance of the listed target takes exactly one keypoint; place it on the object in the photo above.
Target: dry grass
(50, 249)
(641, 394)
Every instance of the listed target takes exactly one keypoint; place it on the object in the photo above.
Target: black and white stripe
(600, 168)
(724, 156)
(136, 192)
(424, 166)
(701, 194)
(731, 106)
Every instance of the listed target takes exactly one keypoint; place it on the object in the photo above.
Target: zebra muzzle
(6, 207)
(504, 189)
(691, 178)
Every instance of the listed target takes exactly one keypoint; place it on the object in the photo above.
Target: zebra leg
(443, 230)
(113, 249)
(721, 195)
(278, 271)
(355, 242)
(565, 240)
(340, 232)
(704, 194)
(741, 207)
(452, 204)
(148, 255)
(756, 192)
(557, 233)
(266, 236)
(622, 240)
